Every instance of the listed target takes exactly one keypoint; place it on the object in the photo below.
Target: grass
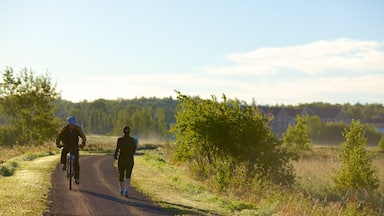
(8, 153)
(170, 187)
(314, 169)
(313, 173)
(25, 192)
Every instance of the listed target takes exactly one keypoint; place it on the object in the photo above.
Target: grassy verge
(171, 188)
(25, 192)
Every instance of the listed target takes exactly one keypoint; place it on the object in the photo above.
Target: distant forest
(152, 117)
(31, 112)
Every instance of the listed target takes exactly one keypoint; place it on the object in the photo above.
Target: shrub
(220, 141)
(8, 168)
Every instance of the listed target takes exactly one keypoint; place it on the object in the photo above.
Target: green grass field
(25, 191)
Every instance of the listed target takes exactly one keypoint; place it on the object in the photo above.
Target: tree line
(31, 112)
(148, 117)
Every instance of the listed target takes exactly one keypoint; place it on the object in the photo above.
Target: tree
(357, 172)
(26, 103)
(228, 139)
(296, 137)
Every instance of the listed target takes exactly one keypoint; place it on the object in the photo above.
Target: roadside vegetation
(312, 194)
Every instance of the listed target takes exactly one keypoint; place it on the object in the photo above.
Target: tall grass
(314, 171)
(7, 153)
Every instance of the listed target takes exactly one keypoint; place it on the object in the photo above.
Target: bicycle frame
(70, 166)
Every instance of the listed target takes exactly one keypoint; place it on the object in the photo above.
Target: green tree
(160, 123)
(226, 140)
(26, 103)
(296, 137)
(357, 172)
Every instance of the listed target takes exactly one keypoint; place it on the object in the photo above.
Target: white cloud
(353, 89)
(362, 81)
(314, 58)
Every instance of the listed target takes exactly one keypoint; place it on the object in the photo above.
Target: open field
(314, 169)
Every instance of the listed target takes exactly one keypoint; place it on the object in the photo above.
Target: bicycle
(70, 167)
(70, 170)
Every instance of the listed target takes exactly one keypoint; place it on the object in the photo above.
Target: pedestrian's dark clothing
(70, 139)
(125, 149)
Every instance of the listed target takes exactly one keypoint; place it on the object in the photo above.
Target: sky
(266, 52)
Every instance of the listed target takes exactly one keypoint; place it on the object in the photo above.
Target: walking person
(125, 149)
(69, 136)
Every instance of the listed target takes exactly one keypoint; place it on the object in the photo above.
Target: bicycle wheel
(70, 173)
(67, 167)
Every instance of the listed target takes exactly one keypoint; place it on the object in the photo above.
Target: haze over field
(267, 51)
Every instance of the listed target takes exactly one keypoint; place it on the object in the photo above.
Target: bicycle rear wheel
(70, 174)
(69, 171)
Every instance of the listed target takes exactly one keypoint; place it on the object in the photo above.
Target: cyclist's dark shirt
(125, 149)
(70, 137)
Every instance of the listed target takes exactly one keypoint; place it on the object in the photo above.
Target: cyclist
(69, 136)
(125, 149)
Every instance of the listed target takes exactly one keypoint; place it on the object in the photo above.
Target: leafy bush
(8, 168)
(226, 140)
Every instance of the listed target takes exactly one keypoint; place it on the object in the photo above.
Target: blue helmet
(71, 120)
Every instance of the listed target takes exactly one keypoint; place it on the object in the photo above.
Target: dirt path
(97, 193)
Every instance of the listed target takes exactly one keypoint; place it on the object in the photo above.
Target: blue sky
(270, 52)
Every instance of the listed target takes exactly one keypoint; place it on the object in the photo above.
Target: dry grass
(314, 172)
(7, 153)
(315, 168)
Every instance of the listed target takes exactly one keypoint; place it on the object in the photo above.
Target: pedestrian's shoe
(77, 181)
(122, 192)
(64, 167)
(126, 194)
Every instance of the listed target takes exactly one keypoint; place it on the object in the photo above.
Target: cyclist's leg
(64, 153)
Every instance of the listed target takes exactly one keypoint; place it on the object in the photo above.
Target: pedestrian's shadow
(131, 201)
(103, 196)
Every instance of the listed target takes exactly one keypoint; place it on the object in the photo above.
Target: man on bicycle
(69, 136)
